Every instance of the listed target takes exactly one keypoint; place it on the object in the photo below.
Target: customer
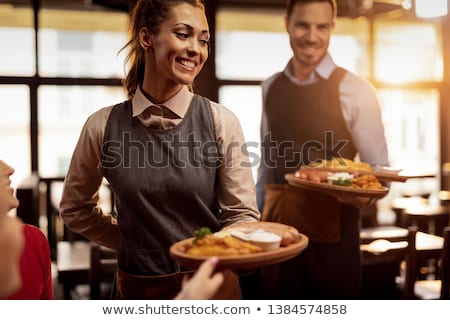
(11, 237)
(315, 110)
(25, 269)
(170, 177)
(203, 284)
(35, 267)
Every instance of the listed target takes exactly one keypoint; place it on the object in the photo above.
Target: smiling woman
(167, 49)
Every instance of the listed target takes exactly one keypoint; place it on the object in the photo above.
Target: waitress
(167, 153)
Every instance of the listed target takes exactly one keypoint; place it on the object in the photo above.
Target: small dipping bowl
(265, 240)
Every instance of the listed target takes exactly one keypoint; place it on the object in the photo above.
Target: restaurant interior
(62, 63)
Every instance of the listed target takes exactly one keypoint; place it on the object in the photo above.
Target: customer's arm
(203, 284)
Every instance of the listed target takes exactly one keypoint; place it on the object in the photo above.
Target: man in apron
(315, 110)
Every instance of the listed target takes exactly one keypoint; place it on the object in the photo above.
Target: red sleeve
(45, 262)
(35, 267)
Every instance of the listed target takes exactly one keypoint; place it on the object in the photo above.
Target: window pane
(17, 38)
(402, 47)
(249, 55)
(63, 111)
(250, 45)
(15, 130)
(411, 121)
(349, 45)
(82, 43)
(245, 102)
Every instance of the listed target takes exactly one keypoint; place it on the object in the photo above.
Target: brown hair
(150, 14)
(291, 3)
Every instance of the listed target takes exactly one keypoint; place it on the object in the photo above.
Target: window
(50, 93)
(15, 130)
(16, 30)
(402, 47)
(62, 113)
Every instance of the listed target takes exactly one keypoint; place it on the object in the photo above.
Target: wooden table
(381, 268)
(73, 263)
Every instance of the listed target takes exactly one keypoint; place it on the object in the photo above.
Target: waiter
(315, 110)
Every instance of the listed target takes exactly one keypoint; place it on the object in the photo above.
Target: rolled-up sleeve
(362, 113)
(79, 206)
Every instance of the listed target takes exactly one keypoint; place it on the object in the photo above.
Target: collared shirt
(179, 104)
(79, 204)
(360, 108)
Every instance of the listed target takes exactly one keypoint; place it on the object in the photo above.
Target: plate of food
(382, 173)
(244, 246)
(346, 188)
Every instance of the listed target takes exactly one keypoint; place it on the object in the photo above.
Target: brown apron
(166, 287)
(330, 267)
(312, 213)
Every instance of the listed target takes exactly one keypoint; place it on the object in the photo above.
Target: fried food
(368, 182)
(211, 245)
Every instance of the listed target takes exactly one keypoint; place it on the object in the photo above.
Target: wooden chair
(383, 250)
(400, 204)
(428, 289)
(102, 271)
(70, 251)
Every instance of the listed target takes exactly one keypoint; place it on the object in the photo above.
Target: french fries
(211, 245)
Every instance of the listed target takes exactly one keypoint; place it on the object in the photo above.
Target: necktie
(160, 117)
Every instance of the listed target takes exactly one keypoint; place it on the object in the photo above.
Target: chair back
(411, 264)
(383, 248)
(445, 266)
(415, 258)
(102, 271)
(384, 243)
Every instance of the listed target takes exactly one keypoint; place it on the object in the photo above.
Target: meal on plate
(211, 245)
(237, 241)
(351, 180)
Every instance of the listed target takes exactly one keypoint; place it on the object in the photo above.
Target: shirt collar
(179, 103)
(323, 70)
